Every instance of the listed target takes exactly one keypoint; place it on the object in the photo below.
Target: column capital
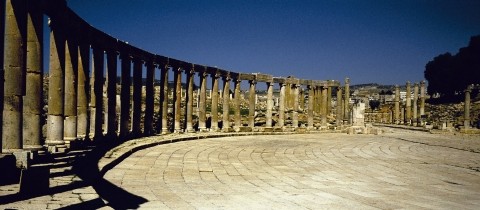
(227, 77)
(422, 83)
(252, 82)
(347, 80)
(408, 82)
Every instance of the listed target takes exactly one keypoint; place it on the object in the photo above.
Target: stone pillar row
(86, 101)
(410, 112)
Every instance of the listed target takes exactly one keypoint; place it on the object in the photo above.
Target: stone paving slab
(399, 169)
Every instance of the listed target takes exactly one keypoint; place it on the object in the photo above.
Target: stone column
(301, 100)
(112, 94)
(288, 104)
(311, 102)
(214, 108)
(149, 99)
(238, 117)
(346, 115)
(295, 88)
(82, 90)
(324, 107)
(281, 106)
(164, 99)
(125, 95)
(137, 98)
(226, 105)
(415, 101)
(397, 105)
(202, 126)
(408, 105)
(422, 102)
(189, 101)
(318, 98)
(177, 100)
(251, 104)
(71, 59)
(56, 90)
(33, 100)
(339, 107)
(329, 100)
(97, 95)
(270, 104)
(466, 114)
(15, 72)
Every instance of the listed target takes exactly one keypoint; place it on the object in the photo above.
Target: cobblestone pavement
(402, 169)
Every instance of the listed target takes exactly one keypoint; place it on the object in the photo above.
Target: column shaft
(238, 117)
(15, 71)
(346, 115)
(415, 101)
(226, 105)
(397, 105)
(281, 106)
(164, 99)
(269, 104)
(324, 106)
(301, 100)
(202, 126)
(311, 102)
(295, 91)
(422, 101)
(125, 96)
(189, 101)
(251, 104)
(112, 123)
(329, 100)
(149, 99)
(466, 113)
(137, 98)
(339, 107)
(33, 100)
(71, 69)
(82, 90)
(214, 108)
(99, 61)
(408, 106)
(177, 100)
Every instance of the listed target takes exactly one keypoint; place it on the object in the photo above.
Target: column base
(190, 130)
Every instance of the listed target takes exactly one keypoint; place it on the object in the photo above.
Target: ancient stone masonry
(103, 89)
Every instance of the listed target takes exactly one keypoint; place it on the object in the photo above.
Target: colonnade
(97, 91)
(410, 113)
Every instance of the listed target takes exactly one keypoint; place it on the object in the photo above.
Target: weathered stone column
(270, 105)
(226, 105)
(164, 99)
(71, 69)
(202, 126)
(82, 91)
(288, 93)
(301, 100)
(177, 100)
(324, 107)
(415, 101)
(422, 102)
(15, 70)
(56, 90)
(189, 100)
(137, 97)
(125, 95)
(346, 115)
(408, 105)
(214, 109)
(149, 99)
(97, 95)
(251, 105)
(329, 100)
(397, 105)
(466, 113)
(318, 98)
(295, 88)
(339, 107)
(33, 100)
(238, 117)
(311, 102)
(281, 106)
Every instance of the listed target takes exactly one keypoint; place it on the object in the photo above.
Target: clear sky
(382, 41)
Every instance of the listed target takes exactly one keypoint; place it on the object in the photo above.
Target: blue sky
(382, 41)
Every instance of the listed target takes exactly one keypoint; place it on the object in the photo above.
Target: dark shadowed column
(112, 94)
(397, 105)
(149, 99)
(415, 102)
(226, 105)
(125, 95)
(251, 104)
(15, 70)
(339, 107)
(270, 104)
(82, 90)
(71, 69)
(237, 116)
(311, 102)
(177, 100)
(98, 62)
(137, 97)
(33, 100)
(202, 126)
(189, 100)
(164, 99)
(214, 108)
